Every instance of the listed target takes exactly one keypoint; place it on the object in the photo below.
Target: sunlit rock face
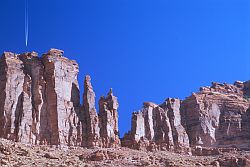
(158, 127)
(216, 115)
(40, 103)
(62, 100)
(39, 98)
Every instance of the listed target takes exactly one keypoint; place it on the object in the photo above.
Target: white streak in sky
(26, 23)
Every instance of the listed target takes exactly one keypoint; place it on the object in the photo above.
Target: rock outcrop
(39, 98)
(99, 130)
(40, 104)
(158, 127)
(61, 98)
(217, 115)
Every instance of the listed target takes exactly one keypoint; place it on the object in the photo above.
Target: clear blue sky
(145, 50)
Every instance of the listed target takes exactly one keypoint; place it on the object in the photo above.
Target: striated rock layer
(217, 115)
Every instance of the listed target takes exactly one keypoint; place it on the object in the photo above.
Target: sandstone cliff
(40, 104)
(216, 116)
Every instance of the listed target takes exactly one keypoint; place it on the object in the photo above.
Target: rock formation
(61, 98)
(158, 127)
(215, 115)
(99, 130)
(180, 137)
(40, 104)
(91, 129)
(39, 98)
(108, 117)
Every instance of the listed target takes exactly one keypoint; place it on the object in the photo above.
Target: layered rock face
(217, 115)
(158, 127)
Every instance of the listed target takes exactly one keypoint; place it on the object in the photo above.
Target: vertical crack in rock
(180, 137)
(34, 70)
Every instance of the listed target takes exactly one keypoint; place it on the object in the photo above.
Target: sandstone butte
(40, 105)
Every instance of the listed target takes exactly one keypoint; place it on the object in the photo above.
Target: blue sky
(146, 50)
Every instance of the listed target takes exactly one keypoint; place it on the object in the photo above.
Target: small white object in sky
(26, 23)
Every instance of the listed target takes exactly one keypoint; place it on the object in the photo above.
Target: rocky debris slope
(18, 154)
(40, 103)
